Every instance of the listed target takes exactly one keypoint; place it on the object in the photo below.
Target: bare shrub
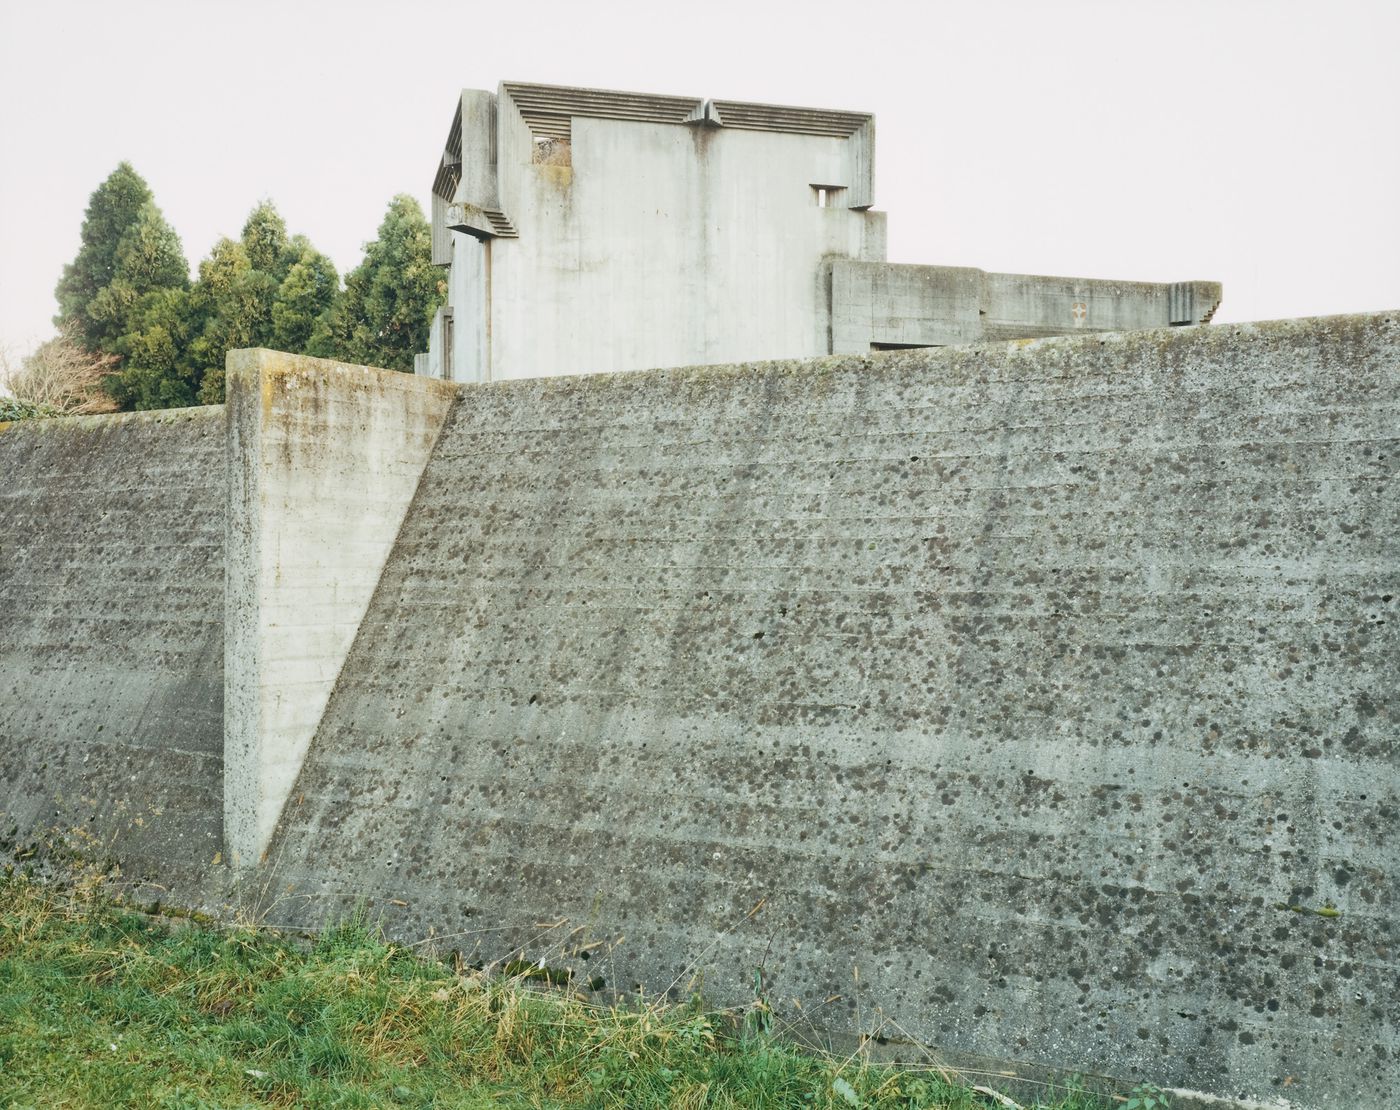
(61, 375)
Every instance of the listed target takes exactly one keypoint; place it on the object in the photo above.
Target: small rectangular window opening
(551, 152)
(827, 196)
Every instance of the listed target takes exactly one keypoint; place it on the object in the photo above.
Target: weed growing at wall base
(101, 1006)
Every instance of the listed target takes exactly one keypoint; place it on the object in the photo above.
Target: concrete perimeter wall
(1052, 686)
(111, 637)
(323, 458)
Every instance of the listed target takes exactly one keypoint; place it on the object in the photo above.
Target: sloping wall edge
(323, 460)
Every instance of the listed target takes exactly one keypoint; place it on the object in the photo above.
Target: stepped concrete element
(323, 459)
(111, 637)
(883, 305)
(590, 230)
(1036, 701)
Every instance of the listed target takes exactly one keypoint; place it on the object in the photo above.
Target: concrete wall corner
(323, 460)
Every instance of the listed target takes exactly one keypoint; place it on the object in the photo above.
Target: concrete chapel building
(585, 230)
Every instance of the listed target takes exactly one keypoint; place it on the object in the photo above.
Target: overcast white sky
(1251, 142)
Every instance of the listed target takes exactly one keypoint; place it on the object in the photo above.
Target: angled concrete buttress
(323, 460)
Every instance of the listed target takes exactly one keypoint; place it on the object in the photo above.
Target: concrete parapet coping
(264, 365)
(103, 420)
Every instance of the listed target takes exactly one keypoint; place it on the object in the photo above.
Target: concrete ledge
(323, 459)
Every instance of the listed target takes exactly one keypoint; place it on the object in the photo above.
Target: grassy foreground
(104, 1007)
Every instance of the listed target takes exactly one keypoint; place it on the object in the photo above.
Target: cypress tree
(305, 300)
(113, 209)
(384, 316)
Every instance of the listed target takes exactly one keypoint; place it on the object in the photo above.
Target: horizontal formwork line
(841, 418)
(899, 629)
(499, 823)
(1026, 600)
(625, 557)
(114, 742)
(35, 597)
(1043, 700)
(858, 403)
(16, 586)
(441, 469)
(333, 759)
(948, 612)
(197, 549)
(486, 517)
(896, 544)
(946, 416)
(729, 484)
(547, 786)
(786, 452)
(475, 452)
(859, 554)
(951, 536)
(416, 581)
(954, 495)
(83, 483)
(403, 585)
(1013, 581)
(1074, 647)
(550, 442)
(982, 369)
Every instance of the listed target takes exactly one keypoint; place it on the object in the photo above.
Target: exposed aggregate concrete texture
(111, 637)
(1052, 686)
(323, 458)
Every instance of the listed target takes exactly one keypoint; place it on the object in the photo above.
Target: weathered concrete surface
(1053, 686)
(589, 230)
(323, 458)
(111, 637)
(889, 304)
(658, 242)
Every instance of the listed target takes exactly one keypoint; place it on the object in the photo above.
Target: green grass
(104, 1007)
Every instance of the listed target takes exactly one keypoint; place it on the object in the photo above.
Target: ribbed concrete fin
(706, 114)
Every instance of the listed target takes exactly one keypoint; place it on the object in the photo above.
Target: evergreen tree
(265, 239)
(113, 209)
(149, 258)
(305, 300)
(233, 307)
(130, 276)
(384, 316)
(128, 293)
(265, 290)
(157, 372)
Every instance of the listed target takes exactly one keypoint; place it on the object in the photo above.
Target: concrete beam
(323, 460)
(877, 304)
